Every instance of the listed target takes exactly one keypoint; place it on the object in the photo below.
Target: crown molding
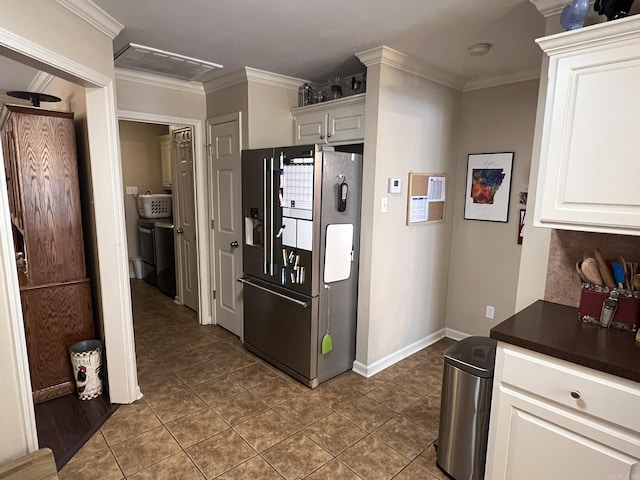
(522, 76)
(273, 79)
(225, 81)
(40, 82)
(248, 74)
(155, 80)
(94, 16)
(393, 58)
(549, 8)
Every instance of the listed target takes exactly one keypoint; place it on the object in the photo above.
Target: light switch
(132, 190)
(383, 205)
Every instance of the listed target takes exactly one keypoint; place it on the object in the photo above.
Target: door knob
(234, 244)
(179, 230)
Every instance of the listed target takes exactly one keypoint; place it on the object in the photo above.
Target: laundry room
(147, 152)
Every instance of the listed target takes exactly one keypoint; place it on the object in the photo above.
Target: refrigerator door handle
(286, 297)
(271, 220)
(264, 209)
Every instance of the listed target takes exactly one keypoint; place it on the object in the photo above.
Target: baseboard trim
(379, 365)
(455, 334)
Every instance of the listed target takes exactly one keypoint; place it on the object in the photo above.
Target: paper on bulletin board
(419, 209)
(436, 192)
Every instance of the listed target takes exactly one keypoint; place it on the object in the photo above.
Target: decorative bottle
(574, 14)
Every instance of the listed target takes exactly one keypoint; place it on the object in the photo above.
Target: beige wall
(269, 115)
(485, 256)
(231, 100)
(151, 99)
(57, 30)
(141, 167)
(411, 126)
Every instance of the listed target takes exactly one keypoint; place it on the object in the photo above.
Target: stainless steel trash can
(465, 406)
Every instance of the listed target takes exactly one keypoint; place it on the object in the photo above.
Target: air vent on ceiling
(152, 60)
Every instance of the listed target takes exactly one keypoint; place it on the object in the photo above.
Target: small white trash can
(136, 262)
(86, 360)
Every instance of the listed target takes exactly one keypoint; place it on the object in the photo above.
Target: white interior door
(185, 219)
(226, 220)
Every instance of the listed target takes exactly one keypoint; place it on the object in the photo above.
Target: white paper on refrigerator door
(289, 232)
(337, 256)
(304, 235)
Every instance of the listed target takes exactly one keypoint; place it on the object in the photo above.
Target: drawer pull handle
(575, 394)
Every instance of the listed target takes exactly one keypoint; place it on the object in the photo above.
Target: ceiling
(318, 40)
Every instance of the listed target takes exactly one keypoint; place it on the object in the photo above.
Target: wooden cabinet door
(46, 154)
(11, 173)
(55, 317)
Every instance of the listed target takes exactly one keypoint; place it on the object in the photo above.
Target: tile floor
(213, 410)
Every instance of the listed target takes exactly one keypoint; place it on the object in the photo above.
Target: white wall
(485, 256)
(411, 126)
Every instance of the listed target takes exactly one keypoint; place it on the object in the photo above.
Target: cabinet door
(531, 440)
(310, 128)
(589, 168)
(46, 154)
(11, 173)
(55, 317)
(166, 160)
(346, 124)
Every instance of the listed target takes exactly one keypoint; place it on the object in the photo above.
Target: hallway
(212, 410)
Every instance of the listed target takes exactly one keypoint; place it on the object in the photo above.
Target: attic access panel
(153, 60)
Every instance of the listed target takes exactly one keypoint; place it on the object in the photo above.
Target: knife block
(627, 315)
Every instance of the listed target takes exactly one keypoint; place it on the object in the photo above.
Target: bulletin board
(426, 198)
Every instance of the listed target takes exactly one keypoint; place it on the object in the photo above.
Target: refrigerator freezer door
(282, 329)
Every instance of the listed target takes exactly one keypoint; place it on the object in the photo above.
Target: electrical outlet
(491, 310)
(383, 205)
(132, 190)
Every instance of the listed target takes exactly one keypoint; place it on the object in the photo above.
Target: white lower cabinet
(332, 122)
(569, 429)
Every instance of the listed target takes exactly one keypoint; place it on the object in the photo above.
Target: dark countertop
(554, 330)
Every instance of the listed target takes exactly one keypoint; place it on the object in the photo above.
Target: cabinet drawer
(601, 395)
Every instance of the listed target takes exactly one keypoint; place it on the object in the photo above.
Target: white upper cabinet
(589, 176)
(335, 121)
(165, 159)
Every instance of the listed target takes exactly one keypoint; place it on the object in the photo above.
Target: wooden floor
(65, 424)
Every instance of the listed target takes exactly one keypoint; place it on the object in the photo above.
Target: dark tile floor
(213, 410)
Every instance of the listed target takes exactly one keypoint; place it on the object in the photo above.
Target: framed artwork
(488, 186)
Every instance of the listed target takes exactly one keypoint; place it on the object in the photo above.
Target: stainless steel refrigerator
(301, 208)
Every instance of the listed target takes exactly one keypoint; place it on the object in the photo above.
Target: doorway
(97, 91)
(157, 159)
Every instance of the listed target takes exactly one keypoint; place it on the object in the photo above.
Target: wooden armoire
(41, 168)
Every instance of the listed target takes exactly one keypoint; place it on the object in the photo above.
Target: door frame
(104, 148)
(206, 312)
(236, 116)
